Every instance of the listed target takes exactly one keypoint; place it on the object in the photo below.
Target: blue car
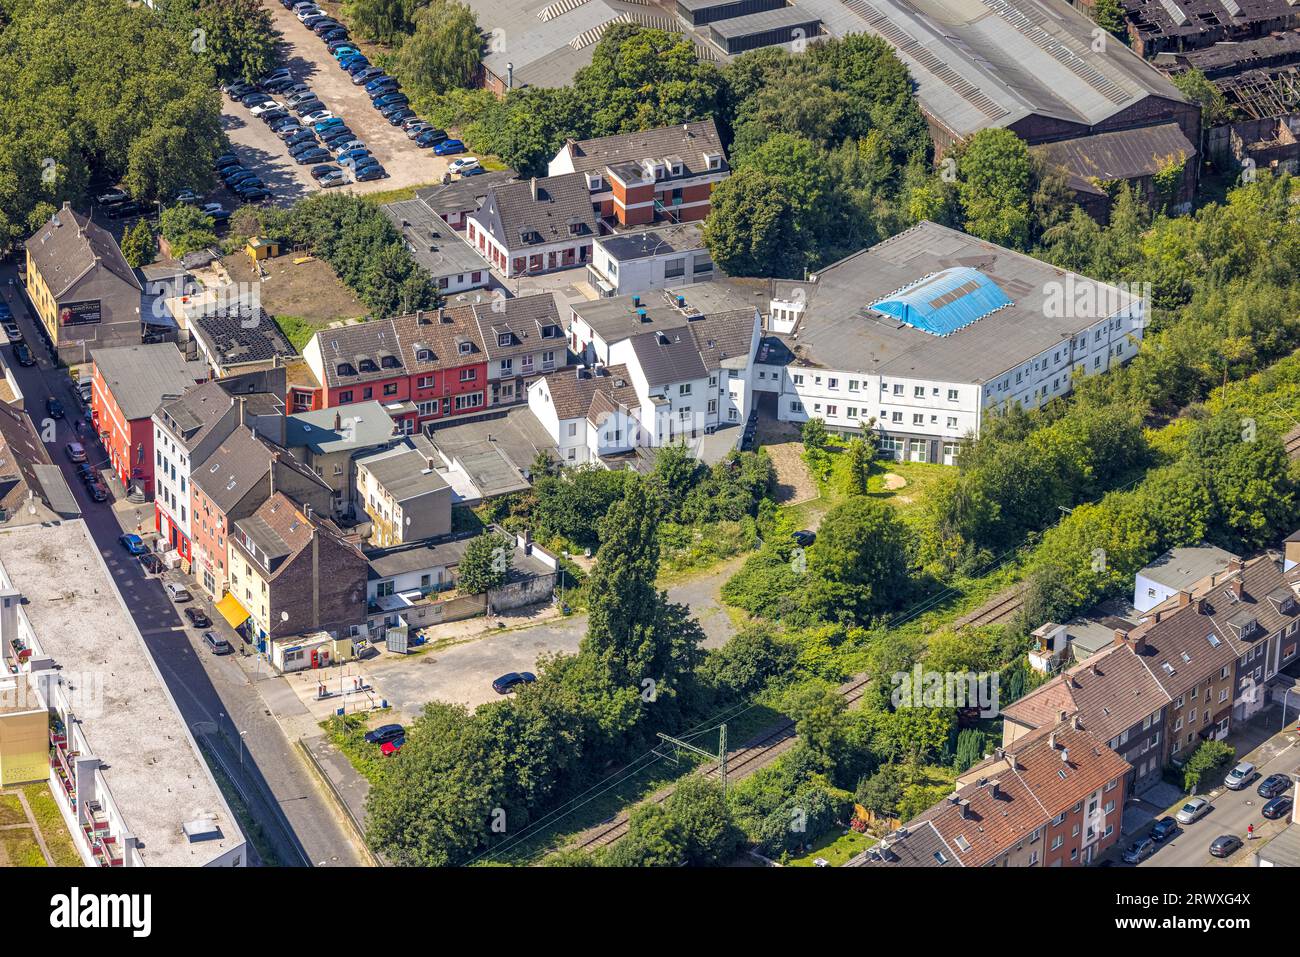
(381, 84)
(448, 148)
(134, 544)
(345, 51)
(324, 125)
(356, 159)
(351, 156)
(356, 60)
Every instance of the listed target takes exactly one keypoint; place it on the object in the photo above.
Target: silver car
(1195, 809)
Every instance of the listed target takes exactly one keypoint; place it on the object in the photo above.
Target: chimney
(1200, 605)
(532, 185)
(240, 402)
(1235, 564)
(954, 798)
(1012, 762)
(1062, 715)
(1051, 740)
(965, 807)
(1236, 587)
(993, 788)
(338, 421)
(1184, 598)
(1077, 723)
(419, 317)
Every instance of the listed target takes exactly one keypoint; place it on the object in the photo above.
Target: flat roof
(140, 377)
(338, 429)
(496, 451)
(439, 248)
(841, 329)
(763, 21)
(151, 762)
(630, 245)
(1183, 567)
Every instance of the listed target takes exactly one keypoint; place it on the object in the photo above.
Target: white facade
(614, 276)
(171, 482)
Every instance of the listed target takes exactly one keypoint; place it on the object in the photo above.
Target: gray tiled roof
(360, 425)
(523, 319)
(495, 452)
(691, 352)
(546, 208)
(69, 246)
(403, 472)
(140, 377)
(1126, 154)
(689, 141)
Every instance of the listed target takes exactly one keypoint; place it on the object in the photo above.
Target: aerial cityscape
(649, 433)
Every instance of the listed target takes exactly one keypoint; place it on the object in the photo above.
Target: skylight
(944, 302)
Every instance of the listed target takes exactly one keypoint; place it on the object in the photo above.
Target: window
(952, 395)
(390, 388)
(468, 375)
(573, 429)
(833, 383)
(798, 379)
(853, 385)
(345, 396)
(918, 392)
(505, 339)
(684, 389)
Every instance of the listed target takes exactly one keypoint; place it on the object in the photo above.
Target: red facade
(436, 395)
(129, 441)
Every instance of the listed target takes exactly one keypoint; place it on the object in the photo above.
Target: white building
(125, 771)
(641, 261)
(917, 336)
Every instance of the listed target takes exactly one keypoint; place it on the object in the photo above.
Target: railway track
(758, 753)
(1000, 609)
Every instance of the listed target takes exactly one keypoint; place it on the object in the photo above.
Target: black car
(275, 116)
(53, 407)
(255, 195)
(1276, 808)
(385, 733)
(225, 160)
(803, 538)
(127, 210)
(325, 26)
(337, 134)
(308, 106)
(317, 172)
(430, 138)
(367, 173)
(1164, 829)
(1275, 785)
(152, 563)
(398, 117)
(1224, 845)
(197, 618)
(293, 135)
(507, 683)
(24, 355)
(97, 490)
(317, 155)
(337, 33)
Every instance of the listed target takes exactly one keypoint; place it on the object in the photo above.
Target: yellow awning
(231, 610)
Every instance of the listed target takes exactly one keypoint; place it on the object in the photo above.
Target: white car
(311, 11)
(1193, 810)
(265, 105)
(350, 145)
(212, 209)
(316, 117)
(1240, 776)
(462, 164)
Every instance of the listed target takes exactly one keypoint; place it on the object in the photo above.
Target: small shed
(259, 248)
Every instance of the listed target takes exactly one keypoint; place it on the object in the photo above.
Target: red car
(389, 748)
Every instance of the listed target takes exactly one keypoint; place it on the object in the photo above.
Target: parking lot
(261, 151)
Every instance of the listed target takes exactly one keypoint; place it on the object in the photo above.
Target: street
(225, 707)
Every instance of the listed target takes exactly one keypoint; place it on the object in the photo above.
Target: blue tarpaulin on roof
(942, 303)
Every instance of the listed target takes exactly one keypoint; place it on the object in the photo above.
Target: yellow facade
(39, 293)
(24, 747)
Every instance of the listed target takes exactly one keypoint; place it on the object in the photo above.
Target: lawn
(349, 735)
(834, 847)
(11, 810)
(18, 848)
(50, 821)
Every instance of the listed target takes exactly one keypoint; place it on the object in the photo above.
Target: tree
(238, 36)
(750, 228)
(994, 185)
(443, 51)
(818, 714)
(859, 457)
(813, 434)
(382, 20)
(882, 792)
(485, 564)
(187, 229)
(858, 567)
(1109, 15)
(138, 246)
(1197, 87)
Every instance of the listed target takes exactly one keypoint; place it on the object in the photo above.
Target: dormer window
(594, 182)
(713, 161)
(345, 368)
(424, 355)
(368, 365)
(505, 339)
(551, 332)
(465, 347)
(389, 362)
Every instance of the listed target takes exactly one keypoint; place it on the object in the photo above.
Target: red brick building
(128, 385)
(638, 178)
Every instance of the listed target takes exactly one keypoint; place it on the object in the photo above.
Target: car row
(244, 183)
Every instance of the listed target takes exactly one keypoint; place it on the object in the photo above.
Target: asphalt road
(223, 708)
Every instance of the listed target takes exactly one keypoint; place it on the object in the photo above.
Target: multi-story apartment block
(403, 495)
(917, 336)
(523, 338)
(638, 178)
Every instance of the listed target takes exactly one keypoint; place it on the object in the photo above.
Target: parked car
(53, 407)
(368, 173)
(387, 732)
(365, 75)
(348, 146)
(134, 544)
(350, 60)
(380, 85)
(151, 563)
(267, 106)
(343, 51)
(1139, 851)
(803, 538)
(238, 176)
(177, 592)
(276, 74)
(431, 138)
(307, 107)
(1195, 809)
(323, 123)
(323, 27)
(256, 195)
(1164, 829)
(12, 331)
(462, 164)
(197, 618)
(126, 210)
(337, 134)
(1224, 845)
(1240, 776)
(415, 127)
(318, 171)
(97, 490)
(395, 96)
(296, 135)
(314, 19)
(112, 196)
(23, 354)
(1275, 785)
(389, 748)
(335, 178)
(277, 115)
(336, 33)
(354, 157)
(225, 160)
(1277, 808)
(472, 171)
(219, 646)
(508, 682)
(448, 147)
(396, 117)
(85, 471)
(238, 90)
(317, 155)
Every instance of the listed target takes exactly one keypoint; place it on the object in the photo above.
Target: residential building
(637, 178)
(81, 287)
(522, 338)
(32, 487)
(665, 257)
(295, 574)
(95, 718)
(128, 385)
(329, 442)
(916, 337)
(189, 429)
(437, 247)
(578, 410)
(1176, 570)
(486, 456)
(232, 336)
(231, 483)
(455, 200)
(1052, 798)
(536, 226)
(402, 493)
(422, 367)
(1119, 700)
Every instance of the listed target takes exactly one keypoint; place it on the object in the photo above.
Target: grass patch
(18, 848)
(688, 549)
(348, 732)
(50, 820)
(399, 195)
(11, 810)
(297, 330)
(251, 827)
(836, 848)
